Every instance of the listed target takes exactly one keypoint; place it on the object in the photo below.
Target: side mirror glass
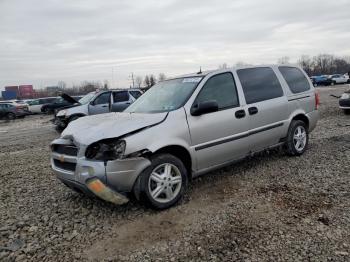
(204, 108)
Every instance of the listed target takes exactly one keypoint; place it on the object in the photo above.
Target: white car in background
(339, 79)
(35, 105)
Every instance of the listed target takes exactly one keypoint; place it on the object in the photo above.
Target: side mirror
(204, 108)
(92, 102)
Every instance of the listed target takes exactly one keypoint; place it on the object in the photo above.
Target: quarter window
(121, 96)
(259, 84)
(220, 88)
(135, 94)
(295, 79)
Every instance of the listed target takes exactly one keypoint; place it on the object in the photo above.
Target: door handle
(104, 106)
(253, 110)
(240, 114)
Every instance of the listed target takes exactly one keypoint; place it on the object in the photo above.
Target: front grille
(344, 102)
(69, 150)
(65, 165)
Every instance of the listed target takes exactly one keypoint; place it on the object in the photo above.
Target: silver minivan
(184, 127)
(98, 102)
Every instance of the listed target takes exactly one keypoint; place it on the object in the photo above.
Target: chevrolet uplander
(184, 127)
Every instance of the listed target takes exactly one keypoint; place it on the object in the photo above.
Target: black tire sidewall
(291, 150)
(11, 116)
(156, 160)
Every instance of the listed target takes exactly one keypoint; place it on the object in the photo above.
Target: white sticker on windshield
(192, 80)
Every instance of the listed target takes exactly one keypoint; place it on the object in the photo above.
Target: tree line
(148, 80)
(322, 64)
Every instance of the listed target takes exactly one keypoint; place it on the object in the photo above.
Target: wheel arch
(302, 117)
(76, 114)
(180, 152)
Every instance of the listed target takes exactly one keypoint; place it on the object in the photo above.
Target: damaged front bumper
(60, 121)
(109, 180)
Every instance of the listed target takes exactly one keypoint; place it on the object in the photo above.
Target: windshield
(165, 96)
(87, 98)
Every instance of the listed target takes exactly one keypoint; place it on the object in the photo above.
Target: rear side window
(259, 84)
(295, 79)
(220, 88)
(121, 96)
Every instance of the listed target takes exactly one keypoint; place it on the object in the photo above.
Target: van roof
(205, 73)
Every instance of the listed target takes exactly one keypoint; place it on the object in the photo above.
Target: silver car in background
(184, 127)
(98, 102)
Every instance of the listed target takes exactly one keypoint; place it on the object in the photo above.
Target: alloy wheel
(164, 183)
(299, 138)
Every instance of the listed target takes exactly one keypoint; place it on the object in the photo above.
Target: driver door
(100, 104)
(219, 137)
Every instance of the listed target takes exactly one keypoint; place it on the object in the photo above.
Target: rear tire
(46, 110)
(162, 184)
(11, 116)
(297, 138)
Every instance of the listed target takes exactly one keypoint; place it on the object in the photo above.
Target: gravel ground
(269, 208)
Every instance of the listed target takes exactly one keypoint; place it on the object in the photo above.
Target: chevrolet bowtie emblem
(61, 158)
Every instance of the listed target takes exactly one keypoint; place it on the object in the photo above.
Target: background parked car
(35, 105)
(11, 111)
(338, 79)
(322, 80)
(59, 103)
(17, 103)
(344, 102)
(97, 103)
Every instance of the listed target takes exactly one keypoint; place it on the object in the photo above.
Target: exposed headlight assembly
(62, 113)
(345, 96)
(104, 150)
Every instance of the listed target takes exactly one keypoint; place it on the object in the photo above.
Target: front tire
(164, 183)
(347, 111)
(297, 138)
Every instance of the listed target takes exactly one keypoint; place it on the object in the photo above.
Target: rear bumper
(313, 118)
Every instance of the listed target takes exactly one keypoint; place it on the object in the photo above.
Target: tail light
(317, 100)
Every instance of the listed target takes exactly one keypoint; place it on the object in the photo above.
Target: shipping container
(9, 95)
(26, 91)
(12, 88)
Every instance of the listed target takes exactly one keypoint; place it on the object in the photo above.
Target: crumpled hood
(89, 129)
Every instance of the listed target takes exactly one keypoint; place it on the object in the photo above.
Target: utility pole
(133, 82)
(112, 77)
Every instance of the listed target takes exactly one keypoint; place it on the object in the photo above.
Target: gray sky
(44, 41)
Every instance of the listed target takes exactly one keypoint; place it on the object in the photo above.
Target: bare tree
(147, 81)
(152, 80)
(223, 66)
(61, 85)
(105, 84)
(241, 63)
(306, 63)
(138, 81)
(283, 60)
(161, 77)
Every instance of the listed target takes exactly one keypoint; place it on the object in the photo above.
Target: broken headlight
(104, 150)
